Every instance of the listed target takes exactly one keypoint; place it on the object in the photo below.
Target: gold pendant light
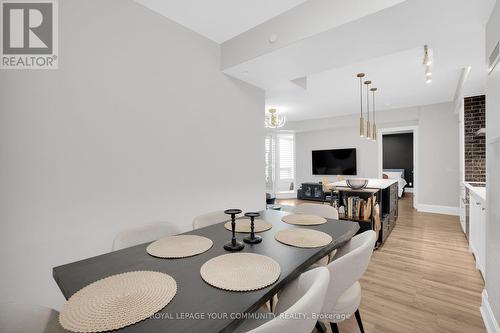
(374, 129)
(361, 118)
(368, 125)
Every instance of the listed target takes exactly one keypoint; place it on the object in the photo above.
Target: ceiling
(399, 78)
(310, 72)
(220, 20)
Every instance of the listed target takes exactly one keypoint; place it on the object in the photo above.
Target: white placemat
(303, 219)
(243, 225)
(180, 246)
(117, 301)
(301, 237)
(240, 271)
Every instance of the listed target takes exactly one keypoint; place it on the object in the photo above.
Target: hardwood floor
(423, 279)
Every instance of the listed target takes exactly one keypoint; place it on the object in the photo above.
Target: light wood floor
(423, 279)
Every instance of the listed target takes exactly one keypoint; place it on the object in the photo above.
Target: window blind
(286, 157)
(270, 162)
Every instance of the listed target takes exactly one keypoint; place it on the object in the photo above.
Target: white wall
(138, 124)
(438, 148)
(335, 138)
(439, 156)
(492, 174)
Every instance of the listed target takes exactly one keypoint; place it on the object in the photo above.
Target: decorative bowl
(357, 183)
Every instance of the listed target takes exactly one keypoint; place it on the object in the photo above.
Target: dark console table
(311, 191)
(382, 191)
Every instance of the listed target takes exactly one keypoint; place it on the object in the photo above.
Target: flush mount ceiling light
(427, 63)
(274, 120)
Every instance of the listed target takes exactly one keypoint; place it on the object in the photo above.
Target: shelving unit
(364, 224)
(385, 196)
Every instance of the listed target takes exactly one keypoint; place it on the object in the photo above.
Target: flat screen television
(334, 162)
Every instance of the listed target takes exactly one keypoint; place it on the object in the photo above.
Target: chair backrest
(143, 233)
(325, 183)
(16, 318)
(325, 211)
(348, 266)
(207, 219)
(304, 296)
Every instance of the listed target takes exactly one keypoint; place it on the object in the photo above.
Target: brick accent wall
(475, 146)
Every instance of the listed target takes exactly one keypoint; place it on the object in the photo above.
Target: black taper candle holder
(253, 238)
(233, 245)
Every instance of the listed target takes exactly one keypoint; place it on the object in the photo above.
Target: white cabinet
(463, 201)
(477, 231)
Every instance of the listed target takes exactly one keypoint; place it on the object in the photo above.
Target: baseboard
(409, 189)
(489, 319)
(448, 210)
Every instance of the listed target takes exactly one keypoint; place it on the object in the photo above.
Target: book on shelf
(358, 208)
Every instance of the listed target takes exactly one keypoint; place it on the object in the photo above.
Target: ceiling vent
(494, 57)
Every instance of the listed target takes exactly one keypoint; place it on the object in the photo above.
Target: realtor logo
(29, 34)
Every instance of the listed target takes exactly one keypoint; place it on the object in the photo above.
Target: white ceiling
(399, 78)
(388, 46)
(220, 20)
(312, 75)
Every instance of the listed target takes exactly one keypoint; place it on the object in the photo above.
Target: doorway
(398, 155)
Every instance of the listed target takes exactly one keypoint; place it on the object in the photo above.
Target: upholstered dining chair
(15, 318)
(302, 296)
(207, 219)
(325, 211)
(344, 291)
(143, 233)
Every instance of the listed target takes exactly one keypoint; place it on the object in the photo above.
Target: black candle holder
(253, 238)
(233, 245)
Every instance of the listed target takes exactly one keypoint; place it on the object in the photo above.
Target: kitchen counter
(478, 191)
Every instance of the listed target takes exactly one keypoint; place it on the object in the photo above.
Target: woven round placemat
(117, 301)
(300, 237)
(240, 271)
(180, 246)
(243, 225)
(303, 219)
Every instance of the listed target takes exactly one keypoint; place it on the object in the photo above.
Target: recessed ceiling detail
(304, 54)
(220, 20)
(301, 82)
(387, 44)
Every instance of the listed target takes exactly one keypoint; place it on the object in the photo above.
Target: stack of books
(358, 208)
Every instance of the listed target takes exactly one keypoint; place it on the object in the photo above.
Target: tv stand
(311, 191)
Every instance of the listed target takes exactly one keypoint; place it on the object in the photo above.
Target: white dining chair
(207, 219)
(15, 318)
(344, 291)
(325, 211)
(143, 233)
(304, 296)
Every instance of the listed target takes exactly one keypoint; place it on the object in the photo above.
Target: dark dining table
(197, 306)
